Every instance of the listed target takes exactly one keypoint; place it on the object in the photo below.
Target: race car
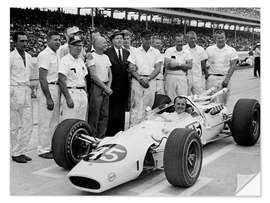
(159, 141)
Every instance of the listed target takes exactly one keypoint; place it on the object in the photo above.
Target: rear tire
(245, 124)
(67, 149)
(183, 157)
(161, 99)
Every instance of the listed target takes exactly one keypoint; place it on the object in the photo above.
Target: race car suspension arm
(89, 139)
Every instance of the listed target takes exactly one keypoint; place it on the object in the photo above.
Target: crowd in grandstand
(41, 22)
(245, 12)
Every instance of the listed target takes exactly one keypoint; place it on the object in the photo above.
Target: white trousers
(176, 85)
(140, 99)
(160, 86)
(196, 85)
(79, 111)
(216, 81)
(21, 119)
(47, 120)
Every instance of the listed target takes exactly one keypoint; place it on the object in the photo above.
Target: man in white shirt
(100, 89)
(157, 43)
(146, 63)
(48, 94)
(71, 78)
(222, 60)
(199, 57)
(177, 62)
(20, 99)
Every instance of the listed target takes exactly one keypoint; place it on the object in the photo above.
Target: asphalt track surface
(227, 167)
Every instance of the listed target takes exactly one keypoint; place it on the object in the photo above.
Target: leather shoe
(27, 158)
(19, 159)
(47, 155)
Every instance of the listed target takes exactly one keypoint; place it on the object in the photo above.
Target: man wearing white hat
(64, 49)
(72, 72)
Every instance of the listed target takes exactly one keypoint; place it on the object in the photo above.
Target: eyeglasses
(23, 40)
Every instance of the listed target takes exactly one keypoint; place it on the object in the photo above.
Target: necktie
(119, 55)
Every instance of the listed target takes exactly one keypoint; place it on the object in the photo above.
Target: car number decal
(195, 126)
(108, 153)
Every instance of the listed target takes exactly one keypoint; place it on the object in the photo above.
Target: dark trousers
(116, 121)
(257, 66)
(98, 111)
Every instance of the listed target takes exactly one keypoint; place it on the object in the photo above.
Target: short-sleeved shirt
(102, 63)
(219, 59)
(145, 61)
(74, 69)
(180, 56)
(48, 59)
(198, 54)
(20, 73)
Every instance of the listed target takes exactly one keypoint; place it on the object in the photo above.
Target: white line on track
(210, 158)
(44, 172)
(159, 182)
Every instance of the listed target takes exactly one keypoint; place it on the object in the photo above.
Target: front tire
(67, 148)
(183, 157)
(246, 122)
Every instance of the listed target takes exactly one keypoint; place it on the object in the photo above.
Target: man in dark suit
(120, 84)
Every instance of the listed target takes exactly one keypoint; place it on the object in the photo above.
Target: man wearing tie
(118, 103)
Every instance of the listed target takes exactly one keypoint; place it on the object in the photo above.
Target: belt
(217, 74)
(144, 75)
(80, 88)
(54, 83)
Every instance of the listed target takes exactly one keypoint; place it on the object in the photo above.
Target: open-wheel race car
(157, 142)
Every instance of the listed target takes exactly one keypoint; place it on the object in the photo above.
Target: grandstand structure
(242, 31)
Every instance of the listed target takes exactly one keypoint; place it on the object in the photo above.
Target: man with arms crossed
(177, 62)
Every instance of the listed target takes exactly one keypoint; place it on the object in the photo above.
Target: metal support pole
(92, 17)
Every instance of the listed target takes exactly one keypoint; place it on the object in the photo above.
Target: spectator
(257, 61)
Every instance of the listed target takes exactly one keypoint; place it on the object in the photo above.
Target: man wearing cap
(20, 99)
(100, 88)
(120, 84)
(222, 60)
(199, 57)
(127, 41)
(177, 62)
(48, 94)
(71, 77)
(64, 49)
(148, 61)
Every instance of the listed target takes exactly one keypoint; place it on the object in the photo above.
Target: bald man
(101, 78)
